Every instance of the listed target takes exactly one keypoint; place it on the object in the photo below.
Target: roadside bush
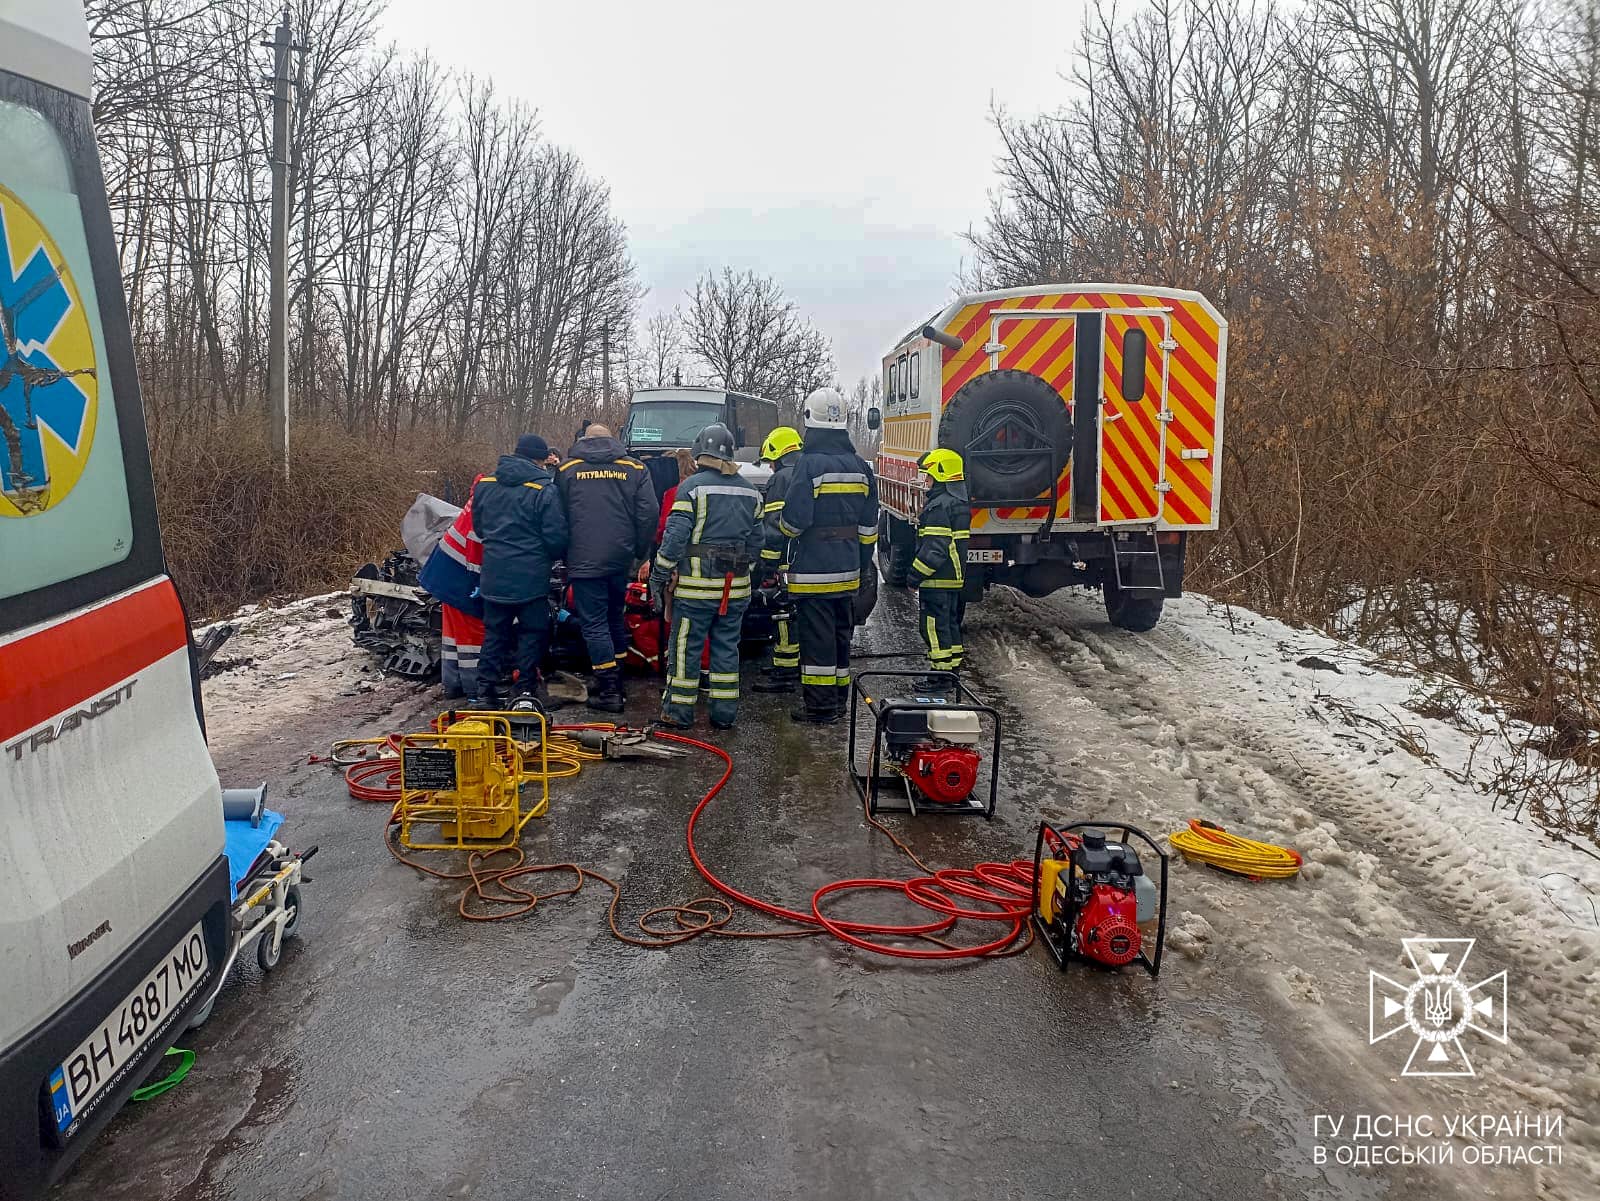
(236, 532)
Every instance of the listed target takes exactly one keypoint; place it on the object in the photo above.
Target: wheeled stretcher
(265, 876)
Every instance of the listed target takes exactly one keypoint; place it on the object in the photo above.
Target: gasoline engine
(1092, 898)
(935, 750)
(925, 743)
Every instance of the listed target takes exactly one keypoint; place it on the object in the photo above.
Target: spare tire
(1002, 424)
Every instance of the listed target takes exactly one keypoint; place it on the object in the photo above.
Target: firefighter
(611, 508)
(782, 450)
(713, 541)
(830, 513)
(940, 563)
(518, 516)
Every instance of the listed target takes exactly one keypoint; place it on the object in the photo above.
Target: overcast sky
(841, 147)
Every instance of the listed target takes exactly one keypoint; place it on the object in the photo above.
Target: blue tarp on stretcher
(242, 842)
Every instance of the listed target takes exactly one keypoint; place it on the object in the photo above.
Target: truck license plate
(985, 555)
(117, 1041)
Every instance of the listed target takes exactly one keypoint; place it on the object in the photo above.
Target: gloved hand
(865, 598)
(658, 588)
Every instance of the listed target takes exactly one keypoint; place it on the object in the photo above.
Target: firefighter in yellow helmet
(782, 450)
(940, 563)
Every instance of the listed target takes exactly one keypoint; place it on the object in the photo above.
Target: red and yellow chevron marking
(1130, 434)
(1129, 454)
(1040, 346)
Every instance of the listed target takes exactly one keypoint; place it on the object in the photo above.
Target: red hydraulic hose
(1009, 892)
(1005, 889)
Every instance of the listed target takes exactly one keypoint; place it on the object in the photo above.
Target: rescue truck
(114, 887)
(1089, 418)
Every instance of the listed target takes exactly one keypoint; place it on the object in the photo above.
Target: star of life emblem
(1438, 1007)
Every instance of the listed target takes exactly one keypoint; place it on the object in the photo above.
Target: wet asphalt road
(398, 1051)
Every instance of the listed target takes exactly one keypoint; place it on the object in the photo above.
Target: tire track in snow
(1166, 727)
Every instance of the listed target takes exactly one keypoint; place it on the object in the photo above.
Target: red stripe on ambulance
(75, 659)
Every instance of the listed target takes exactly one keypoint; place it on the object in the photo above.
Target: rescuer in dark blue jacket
(611, 509)
(830, 515)
(939, 566)
(517, 514)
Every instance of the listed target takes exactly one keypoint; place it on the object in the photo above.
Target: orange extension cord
(1005, 890)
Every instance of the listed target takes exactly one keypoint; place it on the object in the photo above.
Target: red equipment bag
(644, 630)
(646, 635)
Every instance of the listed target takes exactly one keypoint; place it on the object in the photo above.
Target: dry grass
(235, 532)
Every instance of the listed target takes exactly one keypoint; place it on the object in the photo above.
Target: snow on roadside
(1226, 715)
(283, 662)
(1365, 701)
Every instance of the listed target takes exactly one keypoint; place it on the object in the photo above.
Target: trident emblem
(1436, 1000)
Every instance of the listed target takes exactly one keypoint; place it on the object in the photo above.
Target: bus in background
(114, 893)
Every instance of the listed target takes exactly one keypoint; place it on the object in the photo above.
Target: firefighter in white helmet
(830, 515)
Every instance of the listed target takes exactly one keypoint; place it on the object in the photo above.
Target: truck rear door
(1133, 414)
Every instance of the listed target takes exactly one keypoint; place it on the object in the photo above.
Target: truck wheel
(1007, 411)
(901, 542)
(1136, 613)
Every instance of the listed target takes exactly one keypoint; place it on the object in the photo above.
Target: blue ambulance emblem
(48, 372)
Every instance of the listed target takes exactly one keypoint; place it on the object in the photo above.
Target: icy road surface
(1209, 715)
(398, 1051)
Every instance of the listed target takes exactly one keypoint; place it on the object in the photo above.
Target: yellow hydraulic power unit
(463, 781)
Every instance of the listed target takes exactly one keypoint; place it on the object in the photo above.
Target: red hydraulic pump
(943, 772)
(1092, 898)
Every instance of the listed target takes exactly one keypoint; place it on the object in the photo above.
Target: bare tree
(663, 348)
(750, 337)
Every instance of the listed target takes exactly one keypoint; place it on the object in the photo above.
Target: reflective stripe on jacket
(714, 516)
(611, 506)
(942, 535)
(775, 550)
(830, 512)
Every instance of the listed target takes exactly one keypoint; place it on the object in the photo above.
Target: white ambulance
(114, 893)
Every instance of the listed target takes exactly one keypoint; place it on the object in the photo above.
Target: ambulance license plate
(101, 1058)
(984, 555)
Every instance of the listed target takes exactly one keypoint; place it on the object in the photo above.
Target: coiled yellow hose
(1211, 844)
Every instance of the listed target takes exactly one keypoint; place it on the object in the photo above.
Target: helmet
(779, 443)
(824, 410)
(943, 465)
(714, 441)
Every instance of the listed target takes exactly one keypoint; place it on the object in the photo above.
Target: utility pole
(278, 258)
(605, 367)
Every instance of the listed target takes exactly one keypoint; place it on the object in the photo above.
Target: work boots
(777, 679)
(815, 717)
(607, 695)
